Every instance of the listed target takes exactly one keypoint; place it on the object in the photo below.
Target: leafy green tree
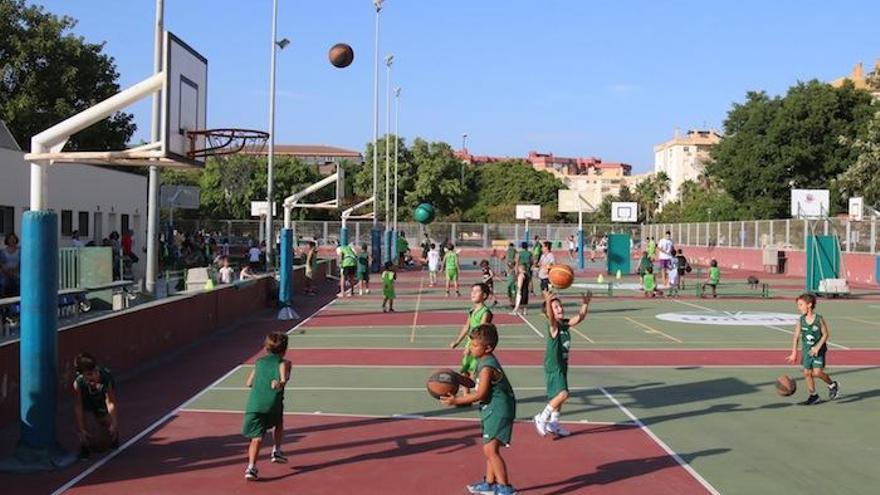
(863, 177)
(48, 74)
(501, 186)
(772, 144)
(700, 204)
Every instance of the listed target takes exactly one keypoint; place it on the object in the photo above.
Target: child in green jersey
(478, 315)
(511, 283)
(265, 405)
(556, 361)
(649, 283)
(714, 279)
(388, 278)
(812, 331)
(94, 405)
(363, 270)
(450, 261)
(497, 412)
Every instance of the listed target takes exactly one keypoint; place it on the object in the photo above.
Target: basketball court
(681, 405)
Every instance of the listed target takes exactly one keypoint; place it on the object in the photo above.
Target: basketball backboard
(528, 212)
(856, 209)
(810, 203)
(261, 208)
(177, 196)
(624, 211)
(571, 201)
(184, 99)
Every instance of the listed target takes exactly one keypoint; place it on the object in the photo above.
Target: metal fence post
(452, 234)
(772, 240)
(848, 236)
(325, 231)
(788, 232)
(742, 234)
(806, 233)
(357, 231)
(485, 235)
(873, 235)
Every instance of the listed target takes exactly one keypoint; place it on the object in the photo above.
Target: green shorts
(451, 274)
(468, 365)
(497, 423)
(388, 293)
(555, 381)
(813, 362)
(511, 290)
(256, 425)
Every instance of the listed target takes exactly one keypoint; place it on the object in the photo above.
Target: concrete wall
(106, 195)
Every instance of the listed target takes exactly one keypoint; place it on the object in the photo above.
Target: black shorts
(348, 271)
(545, 284)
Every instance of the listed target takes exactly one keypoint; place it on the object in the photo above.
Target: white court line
(107, 458)
(627, 424)
(681, 462)
(523, 318)
(771, 327)
(412, 337)
(377, 389)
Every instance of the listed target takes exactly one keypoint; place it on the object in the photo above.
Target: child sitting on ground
(649, 284)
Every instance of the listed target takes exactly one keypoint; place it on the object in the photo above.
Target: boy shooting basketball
(812, 331)
(556, 362)
(497, 413)
(265, 406)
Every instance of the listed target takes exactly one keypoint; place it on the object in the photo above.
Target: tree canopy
(48, 74)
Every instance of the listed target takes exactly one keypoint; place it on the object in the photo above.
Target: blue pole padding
(285, 285)
(394, 253)
(376, 241)
(528, 236)
(343, 236)
(387, 256)
(582, 259)
(39, 328)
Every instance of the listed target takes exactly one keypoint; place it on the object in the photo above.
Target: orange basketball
(443, 382)
(785, 386)
(561, 276)
(341, 55)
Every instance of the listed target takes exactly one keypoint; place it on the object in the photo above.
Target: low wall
(859, 267)
(133, 338)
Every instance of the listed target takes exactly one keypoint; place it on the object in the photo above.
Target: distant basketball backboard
(261, 208)
(624, 211)
(571, 201)
(184, 99)
(177, 196)
(856, 209)
(528, 212)
(810, 203)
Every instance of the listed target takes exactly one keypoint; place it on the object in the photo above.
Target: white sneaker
(368, 291)
(557, 430)
(540, 425)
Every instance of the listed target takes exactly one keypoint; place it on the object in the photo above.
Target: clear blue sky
(574, 77)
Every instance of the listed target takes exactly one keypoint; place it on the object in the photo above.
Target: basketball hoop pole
(580, 236)
(153, 184)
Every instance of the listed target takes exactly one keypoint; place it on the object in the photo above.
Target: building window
(7, 220)
(686, 149)
(82, 224)
(124, 219)
(66, 222)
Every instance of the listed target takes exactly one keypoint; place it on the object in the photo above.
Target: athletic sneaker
(482, 488)
(505, 490)
(557, 430)
(812, 399)
(278, 457)
(250, 473)
(540, 425)
(833, 390)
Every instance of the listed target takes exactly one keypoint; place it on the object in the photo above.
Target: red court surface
(203, 453)
(355, 319)
(598, 357)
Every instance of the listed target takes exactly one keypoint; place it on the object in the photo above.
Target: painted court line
(859, 320)
(652, 330)
(681, 462)
(376, 389)
(107, 458)
(523, 318)
(412, 337)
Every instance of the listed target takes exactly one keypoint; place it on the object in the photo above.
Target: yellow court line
(412, 336)
(862, 321)
(654, 330)
(575, 330)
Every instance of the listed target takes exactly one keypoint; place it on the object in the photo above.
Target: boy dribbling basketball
(265, 406)
(497, 412)
(556, 362)
(812, 331)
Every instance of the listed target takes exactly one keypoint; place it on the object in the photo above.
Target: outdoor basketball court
(659, 406)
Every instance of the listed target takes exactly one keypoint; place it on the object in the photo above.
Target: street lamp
(270, 162)
(396, 151)
(389, 249)
(463, 152)
(375, 235)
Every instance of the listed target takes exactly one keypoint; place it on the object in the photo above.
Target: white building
(92, 200)
(683, 158)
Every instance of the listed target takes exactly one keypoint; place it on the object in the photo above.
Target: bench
(120, 290)
(68, 300)
(735, 289)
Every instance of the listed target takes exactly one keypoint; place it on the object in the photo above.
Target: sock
(546, 413)
(554, 417)
(252, 466)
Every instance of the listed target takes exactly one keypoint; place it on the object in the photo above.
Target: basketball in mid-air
(341, 55)
(561, 276)
(424, 214)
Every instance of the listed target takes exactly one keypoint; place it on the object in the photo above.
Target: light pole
(463, 151)
(396, 155)
(153, 185)
(389, 249)
(270, 159)
(375, 234)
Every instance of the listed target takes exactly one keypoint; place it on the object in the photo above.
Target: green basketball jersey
(388, 280)
(263, 399)
(475, 316)
(94, 396)
(556, 355)
(714, 274)
(648, 282)
(811, 333)
(451, 260)
(525, 258)
(501, 397)
(511, 254)
(349, 259)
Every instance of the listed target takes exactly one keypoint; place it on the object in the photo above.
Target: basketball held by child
(785, 386)
(446, 382)
(341, 55)
(561, 276)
